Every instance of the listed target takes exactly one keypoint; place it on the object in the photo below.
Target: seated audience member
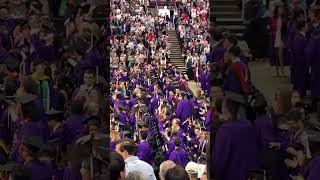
(127, 149)
(135, 175)
(117, 166)
(177, 173)
(164, 167)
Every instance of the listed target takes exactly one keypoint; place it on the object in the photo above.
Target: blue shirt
(135, 164)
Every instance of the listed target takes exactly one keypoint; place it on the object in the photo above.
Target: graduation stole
(43, 90)
(243, 82)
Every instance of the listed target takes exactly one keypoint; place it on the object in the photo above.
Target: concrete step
(229, 21)
(235, 27)
(227, 14)
(225, 2)
(232, 7)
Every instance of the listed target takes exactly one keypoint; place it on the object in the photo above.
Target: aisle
(261, 75)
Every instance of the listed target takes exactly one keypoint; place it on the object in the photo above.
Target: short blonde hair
(164, 167)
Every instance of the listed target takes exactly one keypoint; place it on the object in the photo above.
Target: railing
(243, 8)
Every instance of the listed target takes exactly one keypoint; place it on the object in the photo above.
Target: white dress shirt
(135, 164)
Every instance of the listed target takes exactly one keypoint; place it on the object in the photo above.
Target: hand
(299, 177)
(291, 163)
(292, 151)
(274, 144)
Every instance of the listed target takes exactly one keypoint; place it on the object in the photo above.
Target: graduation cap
(125, 133)
(48, 27)
(82, 45)
(11, 62)
(33, 143)
(49, 148)
(26, 98)
(143, 108)
(260, 102)
(8, 167)
(38, 61)
(54, 114)
(314, 136)
(122, 107)
(94, 122)
(141, 124)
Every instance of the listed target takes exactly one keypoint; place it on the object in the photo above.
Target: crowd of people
(194, 39)
(158, 123)
(254, 137)
(52, 91)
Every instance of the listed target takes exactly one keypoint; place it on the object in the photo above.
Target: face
(295, 98)
(226, 44)
(41, 68)
(174, 124)
(93, 129)
(197, 132)
(225, 112)
(88, 79)
(26, 32)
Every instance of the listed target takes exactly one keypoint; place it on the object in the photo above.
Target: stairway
(228, 15)
(176, 56)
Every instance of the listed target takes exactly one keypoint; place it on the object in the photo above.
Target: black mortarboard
(49, 148)
(126, 133)
(260, 101)
(33, 143)
(38, 61)
(82, 45)
(11, 62)
(143, 108)
(117, 123)
(141, 123)
(54, 114)
(314, 136)
(93, 122)
(8, 167)
(183, 92)
(48, 28)
(26, 98)
(122, 107)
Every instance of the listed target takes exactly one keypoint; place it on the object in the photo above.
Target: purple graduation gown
(74, 128)
(300, 74)
(231, 82)
(57, 136)
(113, 146)
(70, 174)
(184, 110)
(179, 156)
(313, 54)
(7, 127)
(264, 131)
(314, 169)
(30, 128)
(145, 152)
(235, 150)
(218, 54)
(39, 170)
